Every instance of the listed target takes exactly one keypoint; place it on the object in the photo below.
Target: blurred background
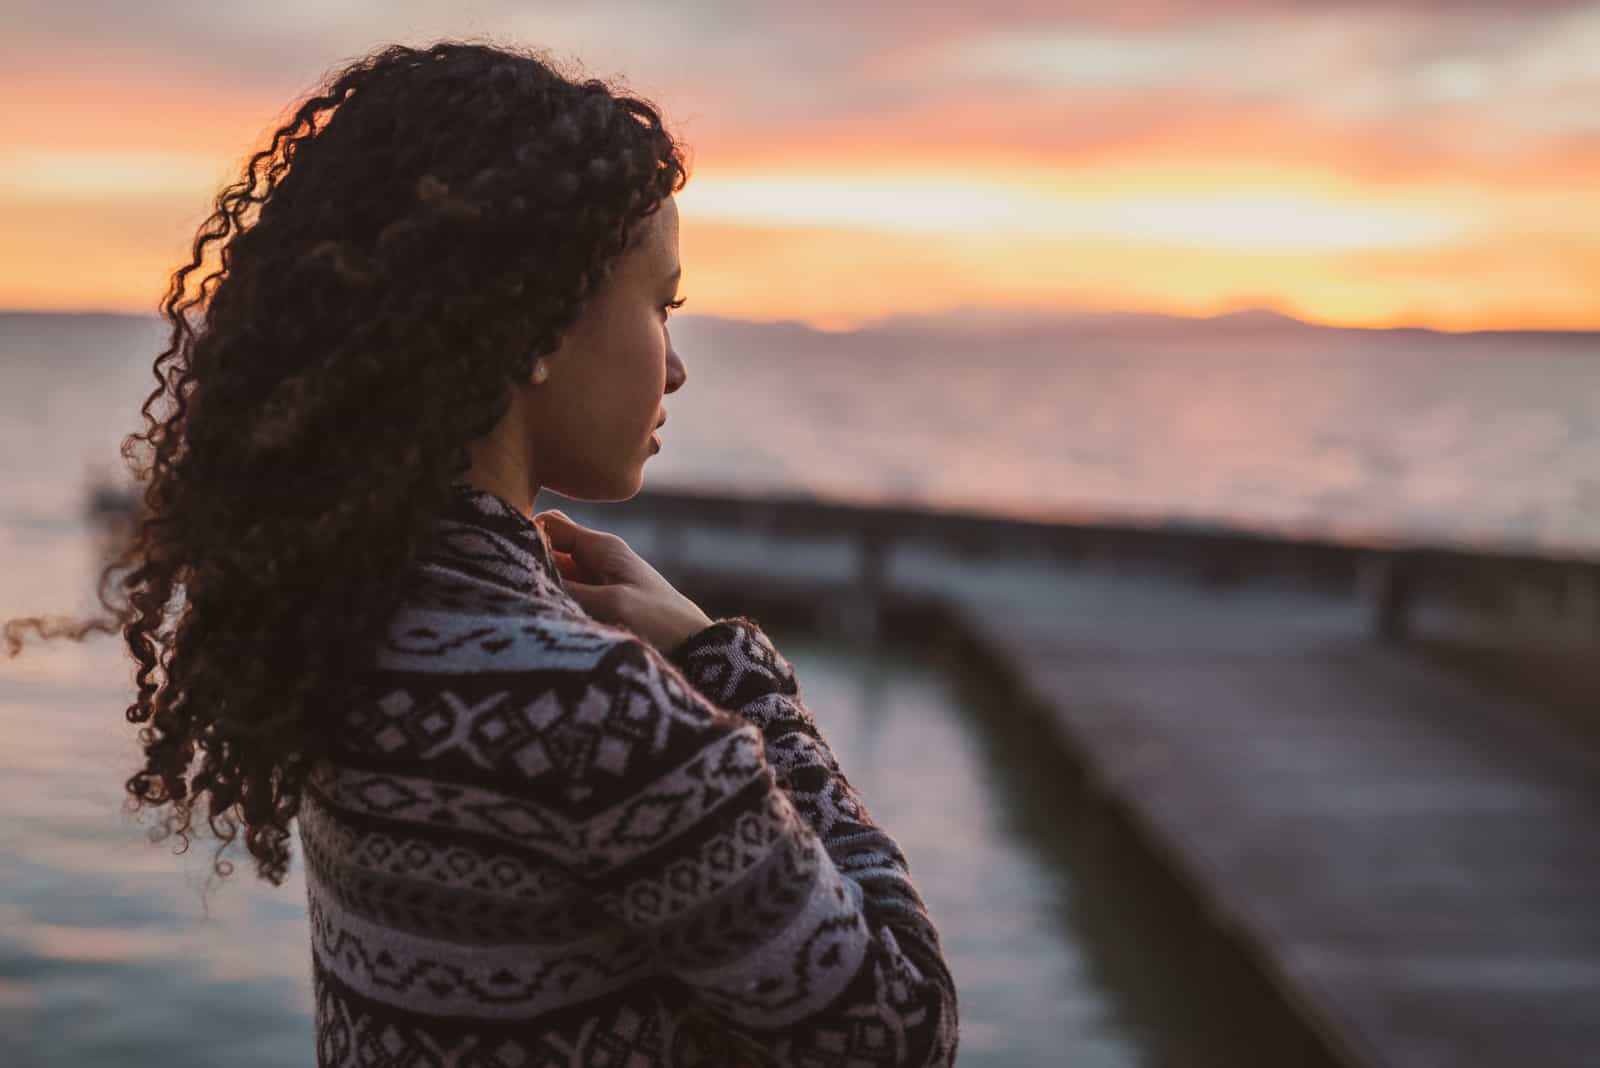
(1186, 332)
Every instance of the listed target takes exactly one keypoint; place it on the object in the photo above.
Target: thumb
(563, 532)
(592, 555)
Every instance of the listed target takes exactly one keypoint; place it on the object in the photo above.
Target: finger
(565, 565)
(598, 554)
(564, 532)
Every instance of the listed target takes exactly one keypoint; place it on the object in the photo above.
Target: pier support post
(1390, 591)
(862, 615)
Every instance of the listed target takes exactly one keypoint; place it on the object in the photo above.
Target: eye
(674, 304)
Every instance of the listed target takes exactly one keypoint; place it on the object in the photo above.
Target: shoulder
(451, 624)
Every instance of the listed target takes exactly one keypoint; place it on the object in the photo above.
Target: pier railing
(1391, 576)
(1561, 591)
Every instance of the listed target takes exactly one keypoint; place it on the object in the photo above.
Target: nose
(677, 374)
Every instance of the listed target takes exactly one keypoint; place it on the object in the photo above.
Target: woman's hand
(614, 585)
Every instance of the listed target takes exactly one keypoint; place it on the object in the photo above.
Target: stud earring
(540, 372)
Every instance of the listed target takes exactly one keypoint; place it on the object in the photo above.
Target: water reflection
(1067, 944)
(107, 956)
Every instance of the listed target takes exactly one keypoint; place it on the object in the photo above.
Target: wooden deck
(1411, 858)
(1415, 861)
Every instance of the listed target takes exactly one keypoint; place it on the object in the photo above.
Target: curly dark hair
(431, 221)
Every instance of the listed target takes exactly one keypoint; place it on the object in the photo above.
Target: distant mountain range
(1077, 323)
(1020, 324)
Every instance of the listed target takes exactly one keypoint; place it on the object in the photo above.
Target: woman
(551, 812)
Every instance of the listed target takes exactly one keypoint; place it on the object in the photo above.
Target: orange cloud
(1166, 136)
(897, 185)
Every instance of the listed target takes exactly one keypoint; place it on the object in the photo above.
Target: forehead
(658, 235)
(652, 253)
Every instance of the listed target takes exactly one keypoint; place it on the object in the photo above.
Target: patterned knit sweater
(545, 843)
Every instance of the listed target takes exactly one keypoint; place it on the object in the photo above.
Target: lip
(655, 443)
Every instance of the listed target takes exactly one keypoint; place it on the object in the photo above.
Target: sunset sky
(1405, 162)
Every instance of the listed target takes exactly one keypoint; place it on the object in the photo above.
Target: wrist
(686, 628)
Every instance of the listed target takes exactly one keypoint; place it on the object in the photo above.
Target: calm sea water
(1066, 944)
(1456, 439)
(1063, 944)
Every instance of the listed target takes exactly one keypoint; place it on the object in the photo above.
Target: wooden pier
(1414, 861)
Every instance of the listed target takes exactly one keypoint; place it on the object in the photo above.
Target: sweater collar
(482, 534)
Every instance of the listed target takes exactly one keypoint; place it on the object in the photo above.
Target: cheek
(652, 363)
(635, 393)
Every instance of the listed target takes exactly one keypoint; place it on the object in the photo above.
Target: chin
(634, 484)
(602, 489)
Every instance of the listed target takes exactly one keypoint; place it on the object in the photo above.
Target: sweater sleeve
(734, 665)
(754, 872)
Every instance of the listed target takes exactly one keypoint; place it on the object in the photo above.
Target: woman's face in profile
(591, 422)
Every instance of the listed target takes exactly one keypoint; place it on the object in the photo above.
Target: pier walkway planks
(1414, 859)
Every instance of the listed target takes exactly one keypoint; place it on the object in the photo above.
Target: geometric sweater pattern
(542, 842)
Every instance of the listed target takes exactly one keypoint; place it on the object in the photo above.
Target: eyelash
(674, 304)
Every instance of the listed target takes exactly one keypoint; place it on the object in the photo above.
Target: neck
(503, 472)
